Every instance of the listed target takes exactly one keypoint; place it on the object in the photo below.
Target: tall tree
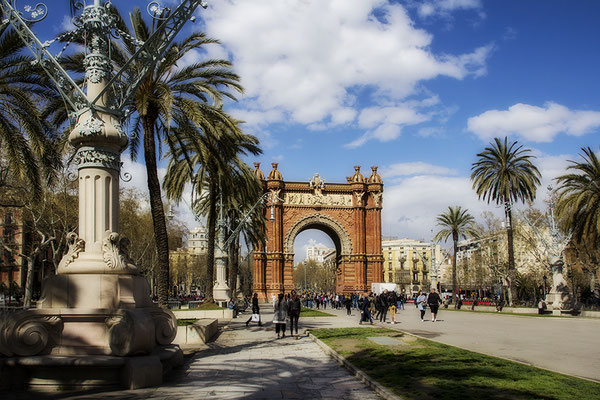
(504, 173)
(215, 170)
(578, 207)
(457, 223)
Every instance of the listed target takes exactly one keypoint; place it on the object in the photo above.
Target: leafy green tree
(457, 223)
(504, 173)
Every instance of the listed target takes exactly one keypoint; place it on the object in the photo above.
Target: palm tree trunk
(454, 286)
(211, 233)
(29, 281)
(158, 213)
(511, 255)
(234, 266)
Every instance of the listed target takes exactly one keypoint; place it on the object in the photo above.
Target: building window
(390, 255)
(390, 265)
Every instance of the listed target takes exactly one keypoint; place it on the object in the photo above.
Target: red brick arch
(350, 213)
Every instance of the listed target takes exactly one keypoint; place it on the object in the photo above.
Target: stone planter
(199, 332)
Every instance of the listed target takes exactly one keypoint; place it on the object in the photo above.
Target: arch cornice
(323, 220)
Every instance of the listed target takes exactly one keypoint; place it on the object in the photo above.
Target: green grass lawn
(186, 322)
(309, 312)
(422, 369)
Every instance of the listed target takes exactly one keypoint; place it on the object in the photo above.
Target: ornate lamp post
(98, 303)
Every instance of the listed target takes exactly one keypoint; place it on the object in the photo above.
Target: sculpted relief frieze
(310, 199)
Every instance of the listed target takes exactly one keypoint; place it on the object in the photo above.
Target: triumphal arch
(350, 213)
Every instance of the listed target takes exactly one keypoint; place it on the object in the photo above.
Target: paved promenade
(249, 363)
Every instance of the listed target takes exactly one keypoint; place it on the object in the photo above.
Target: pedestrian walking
(255, 317)
(393, 302)
(366, 310)
(280, 315)
(348, 304)
(294, 313)
(434, 301)
(383, 306)
(421, 304)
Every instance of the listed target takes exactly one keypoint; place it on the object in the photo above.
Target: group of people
(285, 306)
(389, 302)
(288, 306)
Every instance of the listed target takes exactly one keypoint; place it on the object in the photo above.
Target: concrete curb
(378, 388)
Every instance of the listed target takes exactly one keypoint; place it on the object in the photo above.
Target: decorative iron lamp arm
(147, 54)
(68, 89)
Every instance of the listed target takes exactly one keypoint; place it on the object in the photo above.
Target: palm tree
(458, 223)
(213, 166)
(578, 207)
(578, 203)
(170, 93)
(29, 150)
(505, 174)
(247, 192)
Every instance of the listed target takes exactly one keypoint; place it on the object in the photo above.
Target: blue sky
(415, 87)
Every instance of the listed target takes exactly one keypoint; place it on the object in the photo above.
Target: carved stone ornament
(359, 198)
(25, 333)
(165, 325)
(274, 196)
(378, 197)
(76, 246)
(115, 251)
(317, 184)
(95, 157)
(92, 126)
(310, 199)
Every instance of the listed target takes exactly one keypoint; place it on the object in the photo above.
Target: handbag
(255, 317)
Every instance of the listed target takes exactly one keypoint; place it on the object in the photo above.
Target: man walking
(434, 301)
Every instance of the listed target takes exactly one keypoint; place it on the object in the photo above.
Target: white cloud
(67, 24)
(412, 205)
(385, 123)
(415, 168)
(305, 60)
(537, 124)
(445, 7)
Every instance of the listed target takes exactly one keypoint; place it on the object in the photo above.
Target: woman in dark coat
(255, 310)
(294, 313)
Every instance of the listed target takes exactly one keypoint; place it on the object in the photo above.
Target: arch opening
(316, 260)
